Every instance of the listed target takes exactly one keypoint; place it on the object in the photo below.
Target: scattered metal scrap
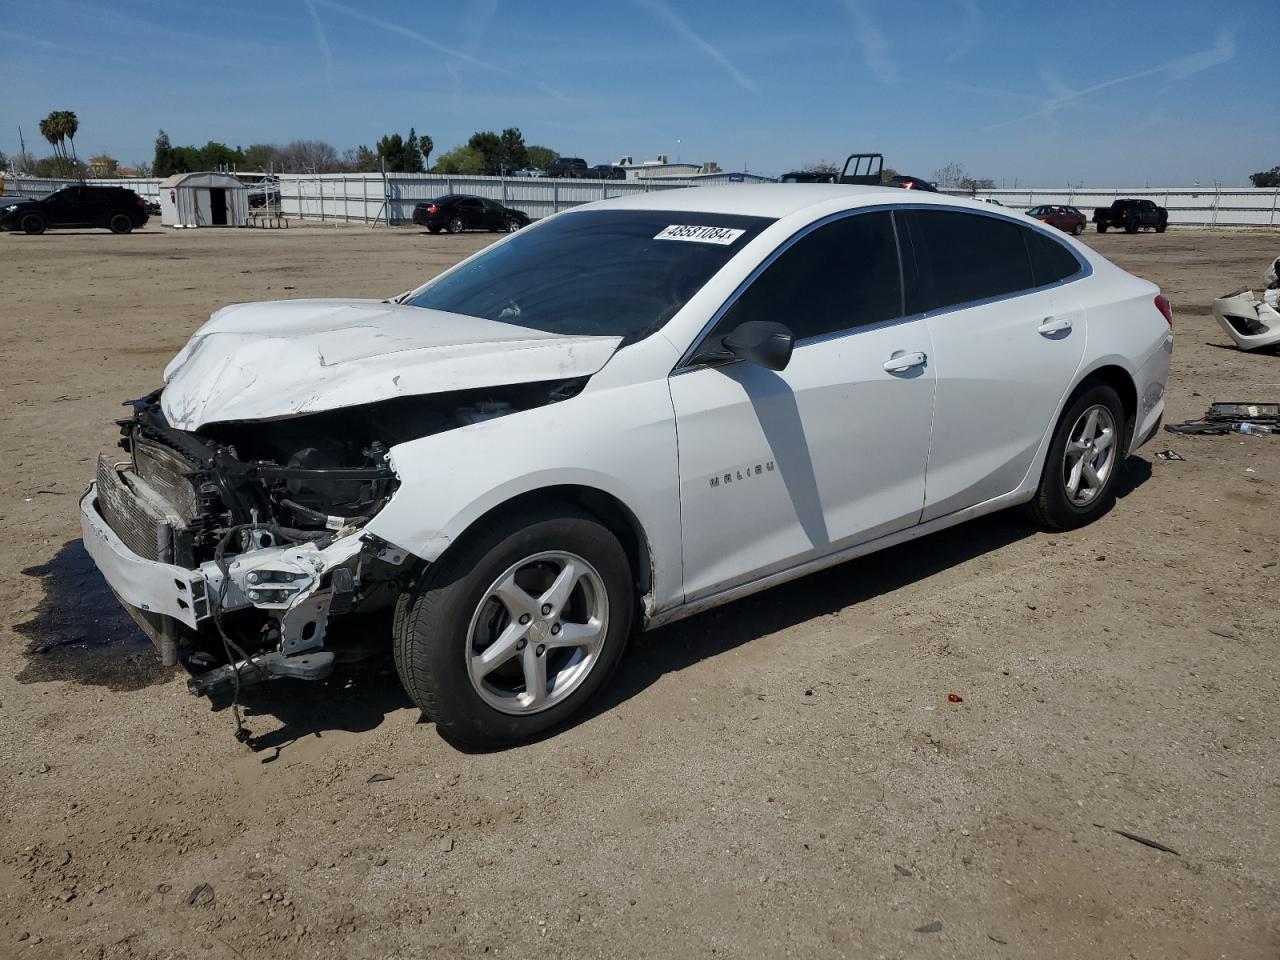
(1153, 844)
(1233, 417)
(1169, 455)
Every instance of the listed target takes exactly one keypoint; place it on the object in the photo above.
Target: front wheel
(1160, 227)
(1077, 229)
(120, 223)
(513, 224)
(1088, 446)
(33, 224)
(517, 627)
(456, 225)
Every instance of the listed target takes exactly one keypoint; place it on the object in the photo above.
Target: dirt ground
(783, 777)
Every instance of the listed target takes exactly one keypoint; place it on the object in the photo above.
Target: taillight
(433, 209)
(909, 185)
(1165, 308)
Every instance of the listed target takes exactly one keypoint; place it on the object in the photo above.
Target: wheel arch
(1121, 381)
(613, 514)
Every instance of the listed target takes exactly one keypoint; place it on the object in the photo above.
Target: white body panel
(863, 458)
(776, 468)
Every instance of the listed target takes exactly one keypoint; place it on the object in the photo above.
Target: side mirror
(762, 341)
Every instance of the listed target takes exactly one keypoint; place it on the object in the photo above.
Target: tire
(33, 224)
(1102, 228)
(456, 225)
(434, 229)
(120, 223)
(452, 617)
(1077, 229)
(1131, 226)
(1160, 227)
(1054, 505)
(513, 224)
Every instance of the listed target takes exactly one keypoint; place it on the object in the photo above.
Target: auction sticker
(722, 236)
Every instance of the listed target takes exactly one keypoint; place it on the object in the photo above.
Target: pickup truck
(1132, 215)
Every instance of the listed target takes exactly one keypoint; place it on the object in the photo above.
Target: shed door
(218, 206)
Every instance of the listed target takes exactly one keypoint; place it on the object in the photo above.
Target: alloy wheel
(1090, 455)
(537, 633)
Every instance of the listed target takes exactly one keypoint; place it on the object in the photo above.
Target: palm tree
(51, 130)
(70, 125)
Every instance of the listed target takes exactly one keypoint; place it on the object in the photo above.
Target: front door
(778, 468)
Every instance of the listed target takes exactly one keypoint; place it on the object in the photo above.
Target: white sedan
(630, 412)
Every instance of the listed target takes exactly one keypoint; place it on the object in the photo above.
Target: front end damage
(240, 547)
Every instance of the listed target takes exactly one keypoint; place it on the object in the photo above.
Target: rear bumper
(147, 585)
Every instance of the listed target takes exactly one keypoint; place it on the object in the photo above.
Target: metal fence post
(555, 197)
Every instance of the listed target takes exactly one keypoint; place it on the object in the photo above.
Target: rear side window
(842, 275)
(1050, 260)
(967, 256)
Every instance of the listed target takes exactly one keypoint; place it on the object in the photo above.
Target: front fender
(618, 440)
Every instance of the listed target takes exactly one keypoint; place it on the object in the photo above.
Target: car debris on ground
(1262, 419)
(1252, 323)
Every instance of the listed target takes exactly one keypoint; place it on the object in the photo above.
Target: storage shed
(203, 200)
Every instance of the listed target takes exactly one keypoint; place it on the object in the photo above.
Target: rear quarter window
(1051, 261)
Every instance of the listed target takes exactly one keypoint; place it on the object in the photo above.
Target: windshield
(619, 273)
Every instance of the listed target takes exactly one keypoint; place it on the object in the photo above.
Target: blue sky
(1122, 93)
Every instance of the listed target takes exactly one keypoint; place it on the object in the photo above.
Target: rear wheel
(434, 229)
(1078, 482)
(33, 224)
(120, 223)
(456, 225)
(1102, 228)
(517, 627)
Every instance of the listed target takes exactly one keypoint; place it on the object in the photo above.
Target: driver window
(841, 276)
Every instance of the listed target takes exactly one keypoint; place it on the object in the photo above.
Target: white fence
(369, 198)
(1187, 206)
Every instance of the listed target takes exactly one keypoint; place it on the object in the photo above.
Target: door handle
(1051, 325)
(904, 361)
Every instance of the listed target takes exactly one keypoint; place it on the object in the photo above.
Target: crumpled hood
(264, 361)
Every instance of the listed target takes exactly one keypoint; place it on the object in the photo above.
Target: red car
(1064, 218)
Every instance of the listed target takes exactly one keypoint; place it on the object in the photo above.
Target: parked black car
(911, 183)
(459, 211)
(606, 171)
(1132, 215)
(113, 208)
(574, 168)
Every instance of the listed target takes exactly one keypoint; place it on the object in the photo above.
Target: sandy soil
(783, 777)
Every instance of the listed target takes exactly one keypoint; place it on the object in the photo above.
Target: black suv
(574, 168)
(113, 208)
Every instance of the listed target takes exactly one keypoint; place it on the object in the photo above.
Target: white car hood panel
(265, 361)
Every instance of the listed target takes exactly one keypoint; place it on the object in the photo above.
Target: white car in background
(630, 412)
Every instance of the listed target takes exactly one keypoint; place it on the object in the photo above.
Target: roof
(772, 199)
(203, 179)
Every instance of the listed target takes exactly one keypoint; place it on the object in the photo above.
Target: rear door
(472, 213)
(1007, 339)
(779, 468)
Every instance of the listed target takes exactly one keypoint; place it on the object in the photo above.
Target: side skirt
(688, 609)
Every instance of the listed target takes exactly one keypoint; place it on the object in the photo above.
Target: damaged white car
(625, 414)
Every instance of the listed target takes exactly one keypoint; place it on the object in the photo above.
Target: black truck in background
(1131, 215)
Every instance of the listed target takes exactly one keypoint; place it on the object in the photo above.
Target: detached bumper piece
(1250, 322)
(221, 681)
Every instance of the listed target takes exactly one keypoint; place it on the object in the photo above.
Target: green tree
(216, 156)
(541, 157)
(399, 154)
(1266, 178)
(461, 161)
(261, 157)
(515, 155)
(425, 146)
(489, 145)
(164, 163)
